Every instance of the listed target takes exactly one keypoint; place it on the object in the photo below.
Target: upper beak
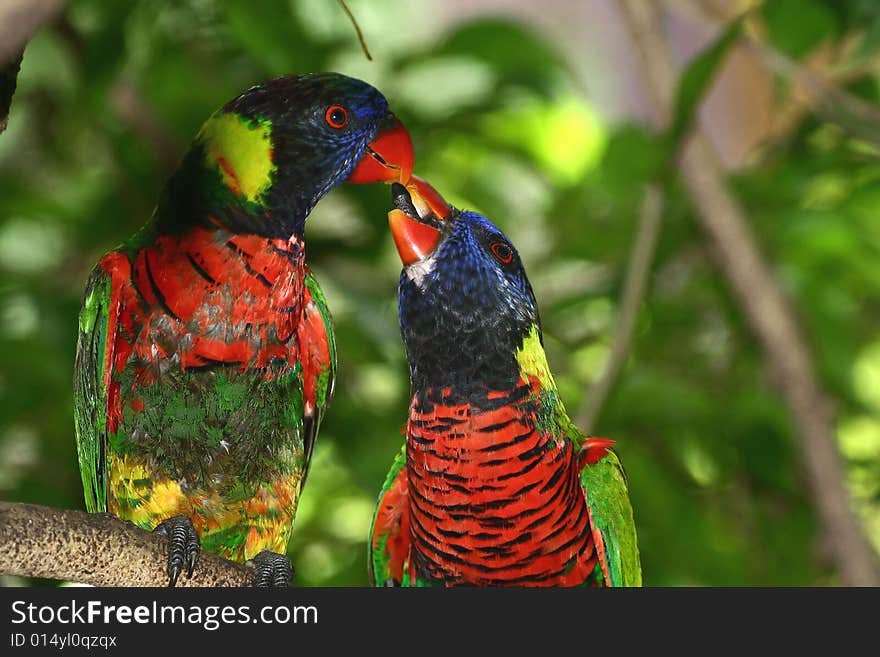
(417, 220)
(388, 158)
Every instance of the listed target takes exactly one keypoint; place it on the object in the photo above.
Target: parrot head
(268, 156)
(465, 303)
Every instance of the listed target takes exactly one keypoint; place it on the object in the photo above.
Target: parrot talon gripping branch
(495, 486)
(271, 569)
(183, 546)
(206, 356)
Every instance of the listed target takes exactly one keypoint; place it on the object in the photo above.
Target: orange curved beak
(414, 236)
(414, 241)
(427, 199)
(388, 158)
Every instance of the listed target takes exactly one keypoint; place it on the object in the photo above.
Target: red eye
(336, 116)
(501, 251)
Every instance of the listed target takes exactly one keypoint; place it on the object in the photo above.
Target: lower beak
(388, 158)
(414, 240)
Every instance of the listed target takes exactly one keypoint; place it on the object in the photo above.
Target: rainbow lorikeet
(206, 356)
(495, 486)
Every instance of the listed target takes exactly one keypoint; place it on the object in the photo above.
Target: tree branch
(8, 78)
(634, 286)
(812, 88)
(766, 312)
(97, 549)
(18, 20)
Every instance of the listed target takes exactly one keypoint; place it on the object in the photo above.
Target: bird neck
(485, 360)
(532, 361)
(497, 470)
(230, 177)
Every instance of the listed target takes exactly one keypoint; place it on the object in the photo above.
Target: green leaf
(633, 157)
(697, 79)
(265, 30)
(515, 53)
(797, 26)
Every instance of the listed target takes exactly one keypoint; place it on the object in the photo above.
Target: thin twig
(767, 313)
(97, 549)
(357, 28)
(856, 116)
(634, 286)
(811, 88)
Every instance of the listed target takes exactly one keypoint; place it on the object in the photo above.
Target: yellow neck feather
(242, 151)
(533, 361)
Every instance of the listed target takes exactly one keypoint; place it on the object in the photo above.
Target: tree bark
(18, 20)
(97, 549)
(8, 79)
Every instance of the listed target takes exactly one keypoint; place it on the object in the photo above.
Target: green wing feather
(320, 301)
(90, 392)
(324, 392)
(380, 551)
(604, 484)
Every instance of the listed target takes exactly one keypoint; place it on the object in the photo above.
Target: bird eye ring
(501, 251)
(336, 116)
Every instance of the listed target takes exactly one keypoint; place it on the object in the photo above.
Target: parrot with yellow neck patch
(205, 359)
(495, 486)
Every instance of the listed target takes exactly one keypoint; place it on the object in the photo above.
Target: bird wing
(389, 531)
(318, 357)
(94, 358)
(611, 517)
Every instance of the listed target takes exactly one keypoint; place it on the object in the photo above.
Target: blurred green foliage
(111, 93)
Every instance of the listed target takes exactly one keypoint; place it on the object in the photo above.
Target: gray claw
(183, 546)
(271, 570)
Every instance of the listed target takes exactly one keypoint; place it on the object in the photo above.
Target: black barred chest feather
(494, 500)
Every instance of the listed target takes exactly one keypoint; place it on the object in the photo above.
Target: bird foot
(183, 546)
(271, 570)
